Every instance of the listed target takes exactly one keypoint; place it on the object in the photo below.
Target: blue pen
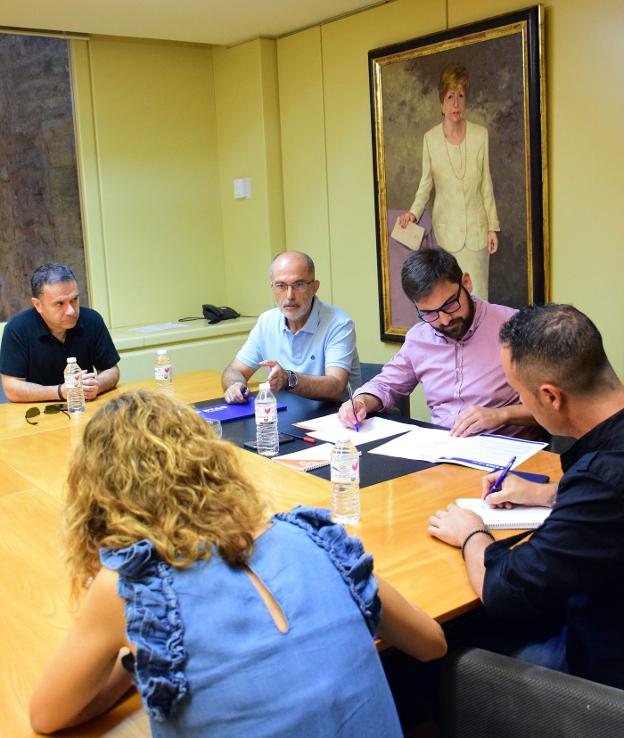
(501, 477)
(357, 425)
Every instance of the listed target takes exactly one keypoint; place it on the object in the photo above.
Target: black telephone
(214, 314)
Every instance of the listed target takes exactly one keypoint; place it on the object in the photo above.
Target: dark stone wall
(39, 203)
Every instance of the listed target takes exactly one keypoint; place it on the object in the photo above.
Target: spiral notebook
(519, 517)
(308, 458)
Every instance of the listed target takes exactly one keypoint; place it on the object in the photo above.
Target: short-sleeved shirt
(571, 571)
(326, 340)
(211, 661)
(30, 351)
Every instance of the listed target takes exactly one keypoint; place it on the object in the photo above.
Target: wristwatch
(292, 379)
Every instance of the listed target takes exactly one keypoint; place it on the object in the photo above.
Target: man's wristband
(485, 531)
(58, 391)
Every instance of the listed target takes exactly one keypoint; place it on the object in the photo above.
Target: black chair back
(371, 370)
(484, 694)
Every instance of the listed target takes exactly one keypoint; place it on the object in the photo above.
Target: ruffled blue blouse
(210, 660)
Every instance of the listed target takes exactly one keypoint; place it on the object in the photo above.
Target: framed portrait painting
(459, 145)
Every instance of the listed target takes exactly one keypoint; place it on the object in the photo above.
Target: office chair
(371, 370)
(484, 694)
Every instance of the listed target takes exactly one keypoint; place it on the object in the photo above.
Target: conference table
(34, 589)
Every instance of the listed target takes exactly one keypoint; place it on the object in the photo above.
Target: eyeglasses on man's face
(32, 412)
(449, 307)
(297, 286)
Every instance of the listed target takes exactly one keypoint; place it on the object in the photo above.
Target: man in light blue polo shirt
(308, 346)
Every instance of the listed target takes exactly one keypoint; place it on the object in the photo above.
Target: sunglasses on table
(32, 412)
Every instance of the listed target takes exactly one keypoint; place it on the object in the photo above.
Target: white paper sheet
(329, 428)
(518, 517)
(307, 458)
(487, 452)
(158, 327)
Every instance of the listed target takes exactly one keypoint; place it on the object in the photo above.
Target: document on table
(157, 327)
(487, 451)
(519, 517)
(329, 428)
(308, 458)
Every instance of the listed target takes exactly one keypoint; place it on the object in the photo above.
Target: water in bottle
(163, 373)
(267, 436)
(345, 481)
(73, 387)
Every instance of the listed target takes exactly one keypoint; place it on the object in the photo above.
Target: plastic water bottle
(345, 481)
(73, 387)
(163, 373)
(267, 436)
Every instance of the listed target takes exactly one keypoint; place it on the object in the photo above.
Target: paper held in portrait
(410, 236)
(487, 451)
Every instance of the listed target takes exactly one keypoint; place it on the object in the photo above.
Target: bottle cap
(265, 385)
(162, 352)
(71, 359)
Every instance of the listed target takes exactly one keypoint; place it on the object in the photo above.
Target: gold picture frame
(504, 57)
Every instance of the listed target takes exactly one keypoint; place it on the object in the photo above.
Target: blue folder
(224, 412)
(541, 478)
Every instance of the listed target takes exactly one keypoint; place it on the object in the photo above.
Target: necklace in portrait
(460, 172)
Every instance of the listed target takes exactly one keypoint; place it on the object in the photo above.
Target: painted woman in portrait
(455, 161)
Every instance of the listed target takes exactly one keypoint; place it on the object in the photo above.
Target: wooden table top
(34, 587)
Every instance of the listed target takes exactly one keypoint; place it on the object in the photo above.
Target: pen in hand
(357, 425)
(501, 477)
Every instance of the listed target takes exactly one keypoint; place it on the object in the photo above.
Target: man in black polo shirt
(37, 342)
(562, 590)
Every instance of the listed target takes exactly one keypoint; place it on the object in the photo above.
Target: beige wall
(304, 164)
(149, 178)
(585, 74)
(164, 128)
(249, 146)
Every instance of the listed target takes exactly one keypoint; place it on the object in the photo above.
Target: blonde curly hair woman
(235, 624)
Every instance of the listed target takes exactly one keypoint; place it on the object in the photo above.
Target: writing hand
(475, 419)
(517, 491)
(345, 413)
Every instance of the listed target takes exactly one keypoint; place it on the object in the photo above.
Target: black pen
(357, 425)
(501, 477)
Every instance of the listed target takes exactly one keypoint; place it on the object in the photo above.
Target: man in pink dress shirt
(453, 351)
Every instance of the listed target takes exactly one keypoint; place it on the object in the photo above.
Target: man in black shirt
(37, 342)
(568, 578)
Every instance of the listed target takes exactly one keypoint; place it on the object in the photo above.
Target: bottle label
(345, 472)
(162, 373)
(73, 381)
(265, 414)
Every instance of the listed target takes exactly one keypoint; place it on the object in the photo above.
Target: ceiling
(223, 22)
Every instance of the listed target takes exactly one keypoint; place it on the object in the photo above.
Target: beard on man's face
(458, 327)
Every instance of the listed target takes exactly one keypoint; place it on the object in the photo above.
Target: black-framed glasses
(32, 412)
(449, 307)
(297, 286)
